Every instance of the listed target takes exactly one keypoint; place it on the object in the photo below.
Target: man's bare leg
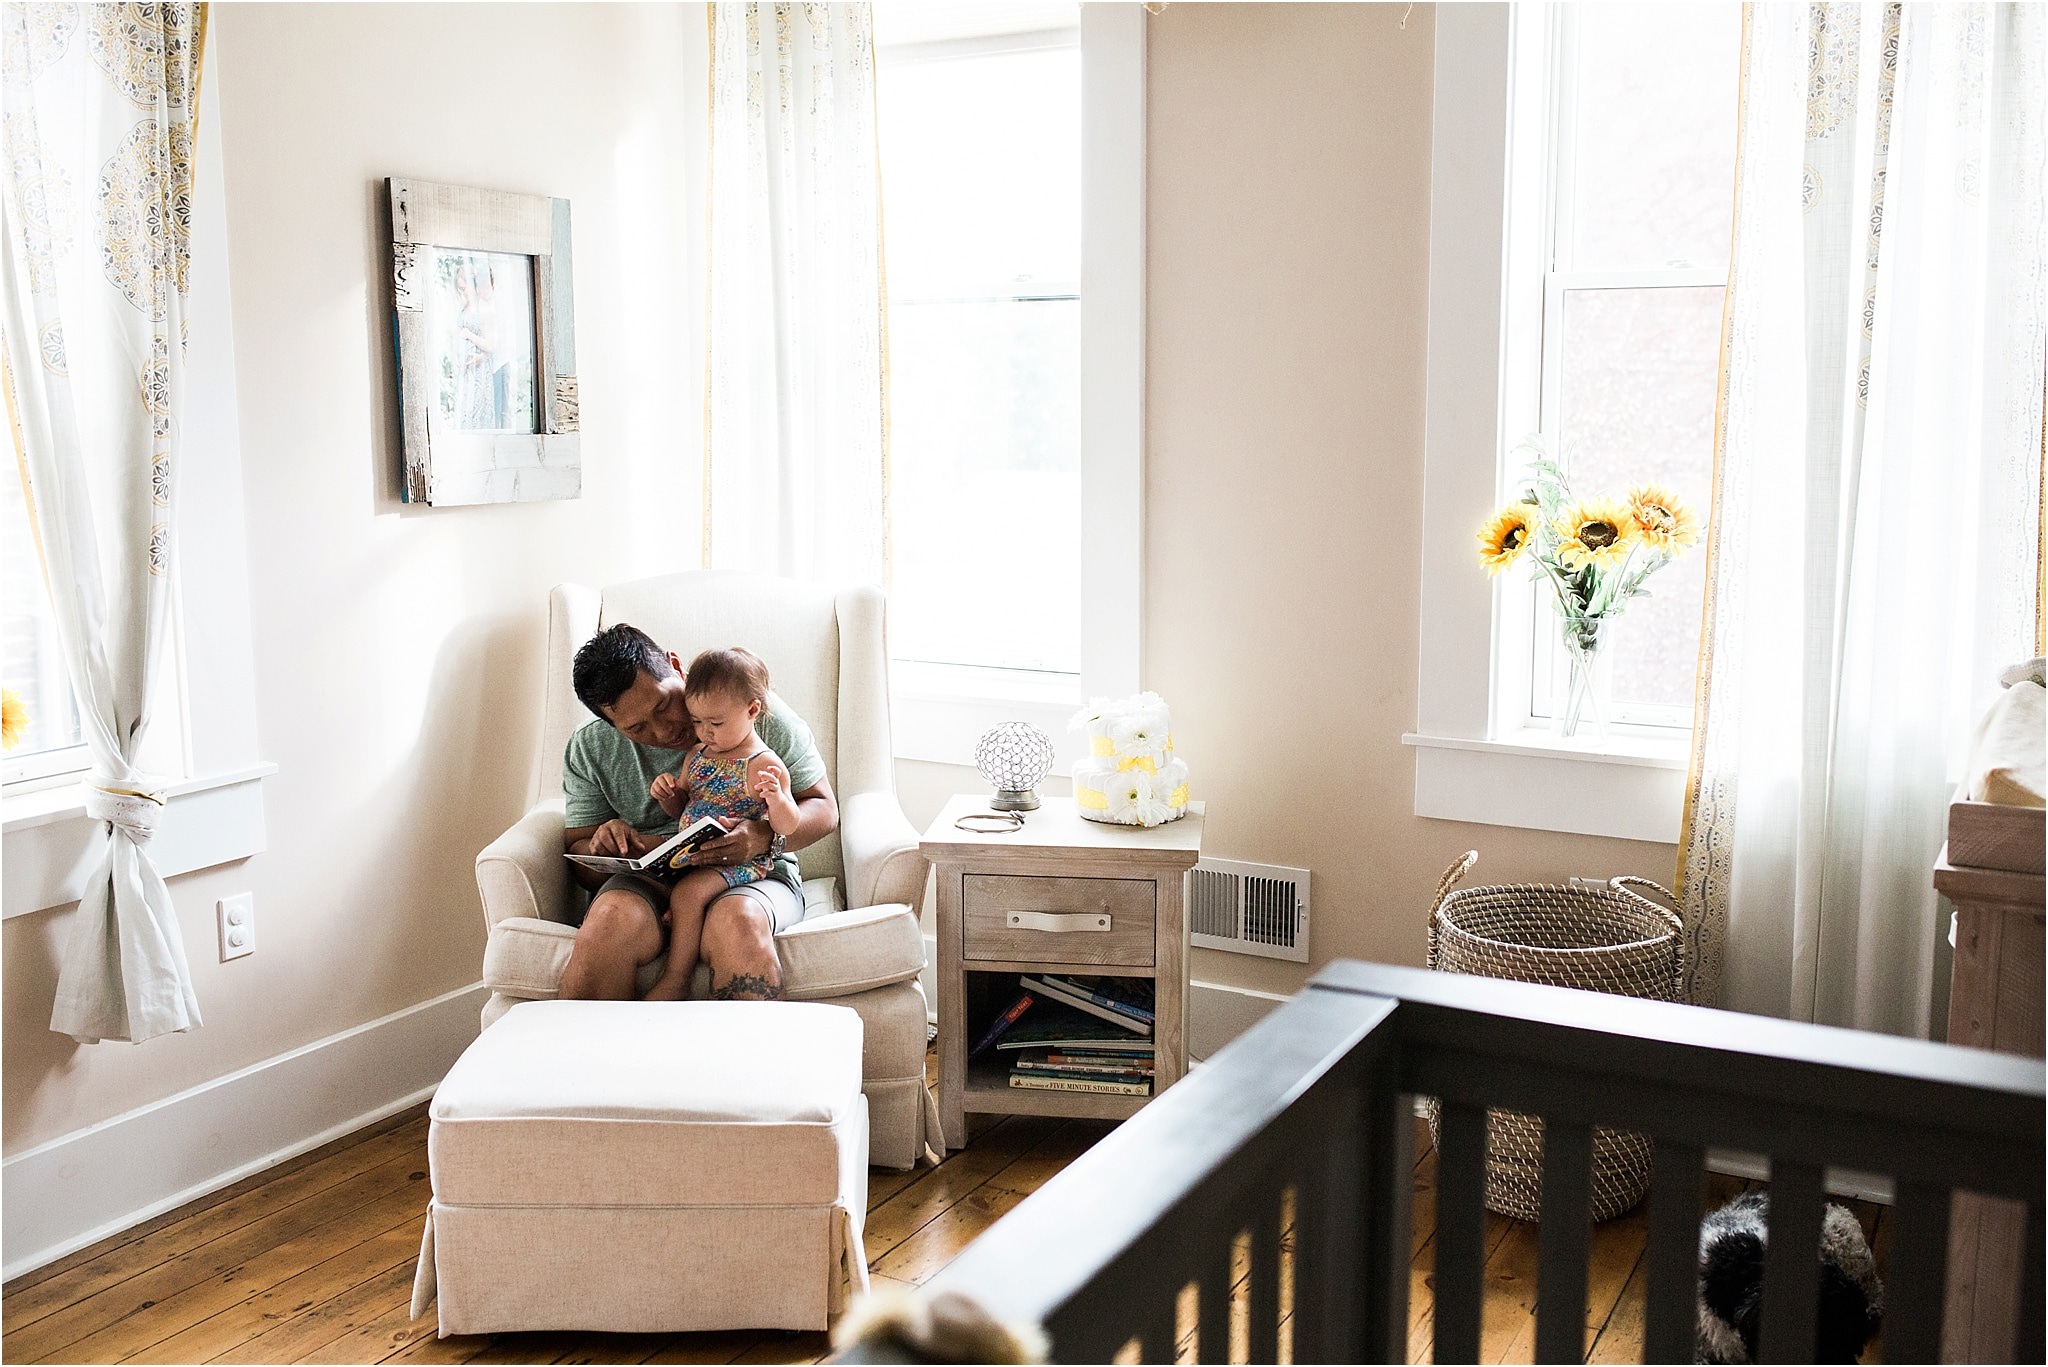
(616, 938)
(739, 944)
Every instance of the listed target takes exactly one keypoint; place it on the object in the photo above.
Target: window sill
(941, 711)
(51, 846)
(1629, 787)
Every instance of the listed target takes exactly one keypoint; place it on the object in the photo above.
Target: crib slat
(1265, 1280)
(1460, 1230)
(1389, 1116)
(1671, 1304)
(1160, 1334)
(1561, 1243)
(1329, 1234)
(1792, 1265)
(1917, 1279)
(2030, 1345)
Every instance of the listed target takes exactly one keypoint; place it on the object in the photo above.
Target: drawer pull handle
(1059, 922)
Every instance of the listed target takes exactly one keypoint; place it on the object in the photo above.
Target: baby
(728, 775)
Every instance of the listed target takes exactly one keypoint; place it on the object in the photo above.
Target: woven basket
(1610, 939)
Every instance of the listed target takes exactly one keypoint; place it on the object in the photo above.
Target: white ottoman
(649, 1167)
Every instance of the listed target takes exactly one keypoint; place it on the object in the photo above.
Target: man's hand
(615, 837)
(748, 840)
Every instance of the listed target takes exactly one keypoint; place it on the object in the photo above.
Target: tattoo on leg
(747, 987)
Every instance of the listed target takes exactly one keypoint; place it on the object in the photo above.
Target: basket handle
(1458, 869)
(1460, 866)
(1622, 883)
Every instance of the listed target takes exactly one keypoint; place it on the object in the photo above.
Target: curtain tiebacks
(133, 811)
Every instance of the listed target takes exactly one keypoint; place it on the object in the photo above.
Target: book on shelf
(1122, 1063)
(1011, 1014)
(1118, 1013)
(1039, 1082)
(1052, 1024)
(1031, 1069)
(1136, 994)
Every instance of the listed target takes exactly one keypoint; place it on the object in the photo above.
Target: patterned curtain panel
(1876, 514)
(795, 458)
(96, 125)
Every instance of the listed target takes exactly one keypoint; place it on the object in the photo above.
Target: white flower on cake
(1141, 735)
(1133, 800)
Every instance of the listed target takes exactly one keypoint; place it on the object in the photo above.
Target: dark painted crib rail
(1314, 1106)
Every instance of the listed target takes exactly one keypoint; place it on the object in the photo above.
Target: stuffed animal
(1732, 1283)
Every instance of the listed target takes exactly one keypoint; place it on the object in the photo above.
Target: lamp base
(1014, 800)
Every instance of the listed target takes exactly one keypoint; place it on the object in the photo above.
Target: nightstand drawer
(1058, 920)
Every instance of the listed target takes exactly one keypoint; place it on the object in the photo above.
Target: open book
(669, 857)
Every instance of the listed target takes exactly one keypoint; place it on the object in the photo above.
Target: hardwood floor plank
(113, 1261)
(196, 1299)
(1621, 1338)
(918, 1204)
(389, 1330)
(428, 1348)
(1613, 1250)
(939, 1242)
(1510, 1285)
(394, 1248)
(139, 1293)
(321, 1324)
(1051, 1154)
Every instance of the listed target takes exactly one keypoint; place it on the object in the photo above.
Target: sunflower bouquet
(1594, 552)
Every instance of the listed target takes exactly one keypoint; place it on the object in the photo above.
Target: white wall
(398, 649)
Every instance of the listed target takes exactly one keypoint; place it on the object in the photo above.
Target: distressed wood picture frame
(483, 314)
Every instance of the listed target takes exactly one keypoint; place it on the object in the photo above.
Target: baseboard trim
(79, 1188)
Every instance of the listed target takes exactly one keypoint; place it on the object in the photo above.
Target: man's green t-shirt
(604, 775)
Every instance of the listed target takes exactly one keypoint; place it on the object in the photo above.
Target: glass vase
(1585, 689)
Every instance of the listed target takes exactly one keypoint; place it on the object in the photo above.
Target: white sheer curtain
(795, 456)
(1875, 520)
(96, 120)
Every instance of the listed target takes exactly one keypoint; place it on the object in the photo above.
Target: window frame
(1492, 221)
(941, 710)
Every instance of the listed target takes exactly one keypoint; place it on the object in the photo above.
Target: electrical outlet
(237, 925)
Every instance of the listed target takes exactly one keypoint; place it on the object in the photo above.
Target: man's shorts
(775, 899)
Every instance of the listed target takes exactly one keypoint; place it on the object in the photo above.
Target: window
(1581, 186)
(1638, 109)
(981, 170)
(202, 740)
(31, 661)
(1013, 171)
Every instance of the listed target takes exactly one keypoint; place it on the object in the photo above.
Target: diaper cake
(1130, 776)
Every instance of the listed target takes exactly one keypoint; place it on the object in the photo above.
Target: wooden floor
(313, 1262)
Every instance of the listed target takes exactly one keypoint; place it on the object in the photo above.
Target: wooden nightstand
(1062, 895)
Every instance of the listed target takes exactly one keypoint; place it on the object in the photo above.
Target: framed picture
(484, 316)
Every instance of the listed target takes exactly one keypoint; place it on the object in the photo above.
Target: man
(637, 689)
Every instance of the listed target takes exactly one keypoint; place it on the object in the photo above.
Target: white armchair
(826, 655)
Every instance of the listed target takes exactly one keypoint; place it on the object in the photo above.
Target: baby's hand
(664, 788)
(768, 786)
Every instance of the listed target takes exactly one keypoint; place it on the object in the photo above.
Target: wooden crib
(1312, 1111)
